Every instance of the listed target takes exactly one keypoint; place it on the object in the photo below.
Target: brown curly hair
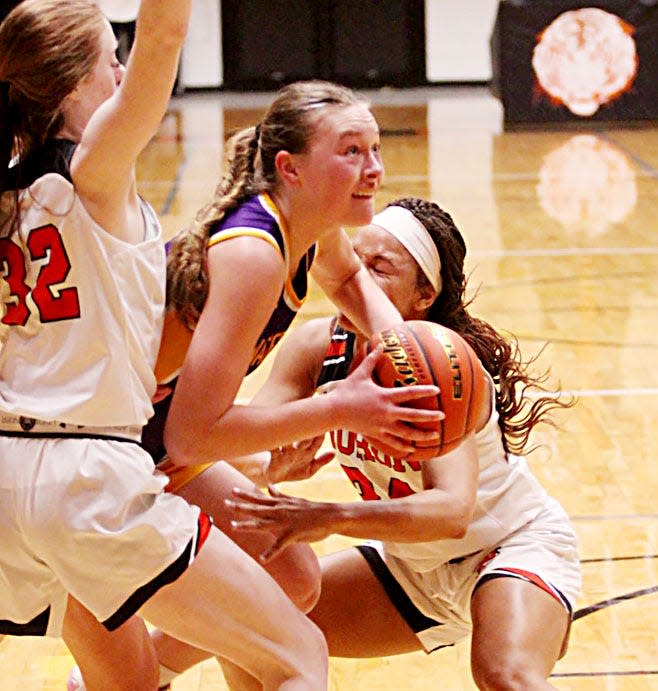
(501, 357)
(288, 125)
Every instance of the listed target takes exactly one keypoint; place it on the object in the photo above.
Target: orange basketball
(421, 352)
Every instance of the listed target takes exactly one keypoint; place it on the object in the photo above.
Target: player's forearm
(245, 429)
(364, 303)
(424, 517)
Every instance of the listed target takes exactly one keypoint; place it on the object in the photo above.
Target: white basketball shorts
(87, 517)
(436, 603)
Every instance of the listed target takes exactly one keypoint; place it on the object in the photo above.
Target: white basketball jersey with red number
(508, 494)
(81, 313)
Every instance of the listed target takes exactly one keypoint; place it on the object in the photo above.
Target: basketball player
(472, 544)
(465, 543)
(83, 290)
(311, 167)
(236, 278)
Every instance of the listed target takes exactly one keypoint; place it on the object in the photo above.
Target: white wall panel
(457, 39)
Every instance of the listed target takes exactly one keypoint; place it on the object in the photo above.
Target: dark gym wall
(366, 43)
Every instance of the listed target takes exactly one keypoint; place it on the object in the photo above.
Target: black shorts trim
(141, 595)
(64, 435)
(416, 620)
(169, 575)
(36, 627)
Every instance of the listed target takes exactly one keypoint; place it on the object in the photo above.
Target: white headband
(413, 235)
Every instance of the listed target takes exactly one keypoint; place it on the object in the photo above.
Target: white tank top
(82, 319)
(508, 494)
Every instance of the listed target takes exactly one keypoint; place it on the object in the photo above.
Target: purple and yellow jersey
(256, 217)
(259, 217)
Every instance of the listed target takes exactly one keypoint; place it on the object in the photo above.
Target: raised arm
(103, 164)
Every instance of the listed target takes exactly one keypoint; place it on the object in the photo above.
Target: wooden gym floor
(562, 230)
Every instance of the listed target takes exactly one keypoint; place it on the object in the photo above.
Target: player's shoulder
(252, 213)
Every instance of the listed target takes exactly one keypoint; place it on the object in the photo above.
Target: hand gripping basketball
(421, 352)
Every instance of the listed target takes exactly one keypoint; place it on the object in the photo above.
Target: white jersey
(508, 495)
(82, 313)
(517, 530)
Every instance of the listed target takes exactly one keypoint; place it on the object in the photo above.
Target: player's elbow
(182, 448)
(456, 526)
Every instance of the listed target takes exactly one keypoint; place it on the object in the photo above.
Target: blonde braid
(187, 274)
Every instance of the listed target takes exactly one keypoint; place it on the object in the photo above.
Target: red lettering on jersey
(413, 465)
(398, 489)
(365, 487)
(349, 443)
(343, 441)
(364, 451)
(362, 484)
(53, 302)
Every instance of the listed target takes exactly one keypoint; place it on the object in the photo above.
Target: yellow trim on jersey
(293, 299)
(243, 232)
(180, 475)
(270, 206)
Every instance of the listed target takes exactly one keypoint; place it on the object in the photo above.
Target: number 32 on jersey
(43, 244)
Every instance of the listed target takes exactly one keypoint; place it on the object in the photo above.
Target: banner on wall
(575, 62)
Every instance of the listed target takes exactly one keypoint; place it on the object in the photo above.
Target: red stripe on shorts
(204, 525)
(336, 348)
(532, 578)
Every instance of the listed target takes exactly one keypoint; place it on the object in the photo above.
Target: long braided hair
(288, 125)
(518, 411)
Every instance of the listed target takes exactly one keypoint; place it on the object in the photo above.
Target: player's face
(101, 82)
(394, 270)
(342, 169)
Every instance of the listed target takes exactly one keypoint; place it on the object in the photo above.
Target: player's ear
(426, 296)
(286, 167)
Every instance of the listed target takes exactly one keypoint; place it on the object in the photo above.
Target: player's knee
(299, 574)
(307, 659)
(317, 658)
(512, 673)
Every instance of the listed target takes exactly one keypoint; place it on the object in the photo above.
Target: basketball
(421, 352)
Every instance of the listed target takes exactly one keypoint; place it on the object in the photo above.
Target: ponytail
(187, 274)
(6, 131)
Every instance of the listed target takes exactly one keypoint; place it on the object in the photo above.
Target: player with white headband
(465, 544)
(415, 238)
